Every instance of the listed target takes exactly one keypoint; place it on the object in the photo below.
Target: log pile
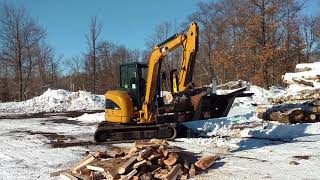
(303, 85)
(145, 160)
(308, 112)
(300, 102)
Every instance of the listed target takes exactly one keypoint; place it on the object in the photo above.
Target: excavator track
(112, 132)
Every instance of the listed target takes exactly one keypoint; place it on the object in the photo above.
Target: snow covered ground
(249, 147)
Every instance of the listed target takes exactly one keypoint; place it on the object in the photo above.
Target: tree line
(253, 40)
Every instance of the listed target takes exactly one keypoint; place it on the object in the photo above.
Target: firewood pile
(300, 102)
(145, 160)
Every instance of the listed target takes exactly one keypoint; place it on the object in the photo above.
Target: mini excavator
(140, 111)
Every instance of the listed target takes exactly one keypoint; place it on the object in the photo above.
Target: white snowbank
(97, 117)
(249, 126)
(283, 131)
(260, 96)
(56, 101)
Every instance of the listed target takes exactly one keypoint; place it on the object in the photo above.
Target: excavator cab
(133, 78)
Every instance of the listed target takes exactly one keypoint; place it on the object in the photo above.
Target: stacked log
(145, 160)
(300, 102)
(308, 112)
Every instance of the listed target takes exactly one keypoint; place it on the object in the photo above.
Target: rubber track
(117, 133)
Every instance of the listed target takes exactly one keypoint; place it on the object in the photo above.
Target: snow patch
(91, 118)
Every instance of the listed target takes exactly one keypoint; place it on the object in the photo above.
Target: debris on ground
(145, 160)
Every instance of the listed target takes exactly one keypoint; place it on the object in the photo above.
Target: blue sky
(125, 22)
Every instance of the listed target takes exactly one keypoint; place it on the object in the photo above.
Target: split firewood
(183, 177)
(127, 165)
(57, 173)
(165, 152)
(93, 176)
(129, 175)
(143, 154)
(89, 159)
(152, 143)
(107, 174)
(159, 141)
(67, 176)
(154, 156)
(146, 176)
(161, 173)
(130, 155)
(104, 155)
(84, 171)
(192, 170)
(206, 161)
(140, 163)
(171, 160)
(173, 174)
(132, 150)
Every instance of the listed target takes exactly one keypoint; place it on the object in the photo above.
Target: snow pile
(250, 126)
(91, 118)
(260, 96)
(56, 101)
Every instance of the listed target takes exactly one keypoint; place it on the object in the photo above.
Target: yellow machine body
(122, 111)
(147, 113)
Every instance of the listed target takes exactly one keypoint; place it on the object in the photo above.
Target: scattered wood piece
(129, 175)
(99, 154)
(146, 176)
(57, 173)
(192, 170)
(127, 165)
(294, 163)
(173, 174)
(171, 160)
(89, 159)
(140, 163)
(206, 161)
(143, 154)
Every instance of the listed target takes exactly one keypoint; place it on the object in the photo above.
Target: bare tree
(19, 34)
(92, 40)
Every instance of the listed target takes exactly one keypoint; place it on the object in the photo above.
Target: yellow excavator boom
(189, 41)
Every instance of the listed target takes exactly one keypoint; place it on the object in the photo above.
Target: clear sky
(125, 22)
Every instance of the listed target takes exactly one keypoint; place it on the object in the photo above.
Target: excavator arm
(189, 41)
